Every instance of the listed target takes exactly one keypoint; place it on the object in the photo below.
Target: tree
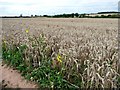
(72, 15)
(36, 15)
(31, 15)
(20, 15)
(76, 14)
(45, 15)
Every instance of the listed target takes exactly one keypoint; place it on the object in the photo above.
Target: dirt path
(12, 79)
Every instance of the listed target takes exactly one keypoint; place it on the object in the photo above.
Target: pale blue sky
(50, 7)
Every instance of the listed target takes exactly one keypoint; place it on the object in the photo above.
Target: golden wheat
(89, 47)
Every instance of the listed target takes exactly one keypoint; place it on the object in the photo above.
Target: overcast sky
(50, 7)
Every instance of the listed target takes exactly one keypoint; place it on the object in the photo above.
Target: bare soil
(13, 79)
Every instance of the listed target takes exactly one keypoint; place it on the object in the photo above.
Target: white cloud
(27, 7)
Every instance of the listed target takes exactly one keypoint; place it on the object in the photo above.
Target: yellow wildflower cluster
(59, 58)
(26, 30)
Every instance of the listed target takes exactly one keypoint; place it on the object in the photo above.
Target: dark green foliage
(118, 81)
(13, 55)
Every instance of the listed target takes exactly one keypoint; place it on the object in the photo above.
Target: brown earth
(13, 79)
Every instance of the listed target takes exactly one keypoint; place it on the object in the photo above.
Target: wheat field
(88, 47)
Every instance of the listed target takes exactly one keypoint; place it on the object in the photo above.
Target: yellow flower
(4, 41)
(26, 30)
(59, 58)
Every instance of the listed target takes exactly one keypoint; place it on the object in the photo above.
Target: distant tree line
(77, 15)
(72, 15)
(106, 12)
